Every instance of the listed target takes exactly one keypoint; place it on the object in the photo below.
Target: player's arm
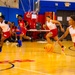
(0, 30)
(24, 23)
(9, 23)
(18, 24)
(44, 26)
(65, 34)
(57, 22)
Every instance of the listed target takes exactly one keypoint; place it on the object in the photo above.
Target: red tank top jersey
(21, 23)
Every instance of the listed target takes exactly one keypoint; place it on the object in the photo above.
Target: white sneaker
(16, 39)
(7, 42)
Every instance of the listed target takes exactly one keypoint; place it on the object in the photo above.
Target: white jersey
(51, 25)
(72, 33)
(5, 27)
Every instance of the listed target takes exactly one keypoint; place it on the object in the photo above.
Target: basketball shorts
(23, 31)
(54, 32)
(6, 34)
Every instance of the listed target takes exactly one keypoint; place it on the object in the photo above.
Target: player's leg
(20, 40)
(26, 37)
(0, 39)
(59, 42)
(15, 36)
(12, 38)
(19, 33)
(48, 37)
(74, 44)
(4, 36)
(0, 46)
(1, 43)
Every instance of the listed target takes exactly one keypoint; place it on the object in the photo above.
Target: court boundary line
(65, 54)
(14, 61)
(32, 71)
(70, 48)
(12, 66)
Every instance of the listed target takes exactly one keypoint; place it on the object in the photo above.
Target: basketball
(49, 48)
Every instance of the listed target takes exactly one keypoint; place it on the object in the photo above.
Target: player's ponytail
(73, 17)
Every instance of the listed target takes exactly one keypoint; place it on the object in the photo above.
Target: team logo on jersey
(21, 24)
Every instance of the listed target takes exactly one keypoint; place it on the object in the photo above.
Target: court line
(12, 66)
(32, 71)
(65, 54)
(70, 48)
(14, 61)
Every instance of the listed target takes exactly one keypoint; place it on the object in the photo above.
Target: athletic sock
(63, 48)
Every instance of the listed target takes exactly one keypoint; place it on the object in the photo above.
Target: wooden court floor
(32, 59)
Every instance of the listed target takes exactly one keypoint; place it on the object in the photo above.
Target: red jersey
(23, 29)
(21, 23)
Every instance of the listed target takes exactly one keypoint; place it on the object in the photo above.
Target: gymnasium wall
(9, 3)
(45, 6)
(54, 6)
(11, 13)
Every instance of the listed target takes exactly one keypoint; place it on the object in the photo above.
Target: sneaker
(7, 42)
(31, 40)
(19, 43)
(16, 39)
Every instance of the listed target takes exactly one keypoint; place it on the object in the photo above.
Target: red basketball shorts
(54, 32)
(23, 31)
(6, 34)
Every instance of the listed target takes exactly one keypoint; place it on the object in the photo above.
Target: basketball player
(51, 25)
(4, 31)
(70, 29)
(23, 30)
